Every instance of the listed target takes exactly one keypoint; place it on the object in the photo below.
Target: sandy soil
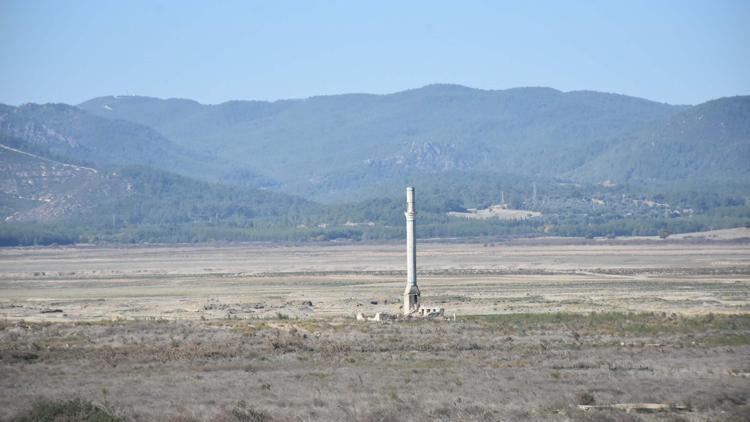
(194, 282)
(266, 333)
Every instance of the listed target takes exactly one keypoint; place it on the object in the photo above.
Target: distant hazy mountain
(74, 133)
(708, 141)
(105, 169)
(334, 146)
(527, 131)
(35, 187)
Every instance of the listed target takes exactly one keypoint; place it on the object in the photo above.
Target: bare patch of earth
(196, 333)
(189, 282)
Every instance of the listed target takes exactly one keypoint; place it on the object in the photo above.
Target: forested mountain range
(315, 147)
(110, 162)
(73, 133)
(705, 142)
(66, 189)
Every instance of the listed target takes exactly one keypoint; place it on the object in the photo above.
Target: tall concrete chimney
(411, 293)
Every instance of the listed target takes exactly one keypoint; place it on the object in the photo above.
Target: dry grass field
(266, 332)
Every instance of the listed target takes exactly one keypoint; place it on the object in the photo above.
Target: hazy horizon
(138, 95)
(672, 52)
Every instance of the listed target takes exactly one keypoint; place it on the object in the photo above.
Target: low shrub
(75, 410)
(246, 413)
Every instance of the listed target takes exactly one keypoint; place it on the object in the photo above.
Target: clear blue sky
(69, 51)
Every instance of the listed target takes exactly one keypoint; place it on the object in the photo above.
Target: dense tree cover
(135, 204)
(158, 197)
(61, 130)
(16, 234)
(38, 149)
(710, 141)
(354, 222)
(350, 141)
(343, 163)
(33, 234)
(325, 143)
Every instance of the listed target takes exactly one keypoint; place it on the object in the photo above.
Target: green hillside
(525, 131)
(43, 199)
(138, 169)
(71, 132)
(708, 141)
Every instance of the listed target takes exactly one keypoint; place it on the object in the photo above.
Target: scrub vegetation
(489, 367)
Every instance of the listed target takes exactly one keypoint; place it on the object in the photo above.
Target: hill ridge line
(95, 171)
